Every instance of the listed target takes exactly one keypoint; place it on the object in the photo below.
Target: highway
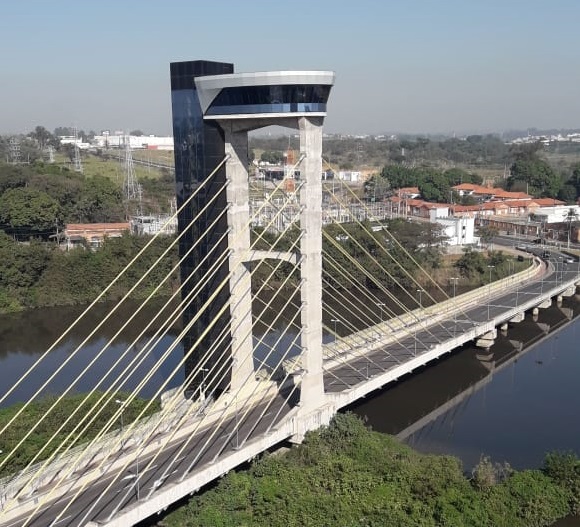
(93, 505)
(421, 337)
(139, 480)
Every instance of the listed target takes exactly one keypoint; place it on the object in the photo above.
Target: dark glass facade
(296, 98)
(199, 148)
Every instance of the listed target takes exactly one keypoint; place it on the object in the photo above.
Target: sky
(402, 66)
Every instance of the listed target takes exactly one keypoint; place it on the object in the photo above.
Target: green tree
(471, 264)
(43, 137)
(271, 157)
(27, 211)
(568, 193)
(534, 175)
(101, 201)
(487, 234)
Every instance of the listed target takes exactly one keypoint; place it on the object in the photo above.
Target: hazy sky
(401, 66)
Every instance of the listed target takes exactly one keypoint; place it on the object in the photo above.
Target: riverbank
(346, 474)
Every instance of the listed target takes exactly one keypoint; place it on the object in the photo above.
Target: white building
(557, 214)
(147, 142)
(348, 175)
(142, 225)
(459, 231)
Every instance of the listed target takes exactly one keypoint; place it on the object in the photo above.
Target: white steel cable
(8, 456)
(107, 288)
(133, 423)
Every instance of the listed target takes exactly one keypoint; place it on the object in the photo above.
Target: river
(513, 403)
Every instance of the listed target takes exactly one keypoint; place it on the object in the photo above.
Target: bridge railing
(395, 328)
(86, 456)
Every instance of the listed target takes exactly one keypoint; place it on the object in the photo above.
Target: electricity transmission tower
(131, 188)
(77, 162)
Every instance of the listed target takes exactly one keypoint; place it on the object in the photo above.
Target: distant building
(557, 214)
(458, 231)
(136, 142)
(92, 234)
(150, 225)
(348, 175)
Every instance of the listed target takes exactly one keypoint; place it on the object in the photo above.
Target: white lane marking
(61, 520)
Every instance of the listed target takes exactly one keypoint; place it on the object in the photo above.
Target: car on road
(522, 247)
(569, 259)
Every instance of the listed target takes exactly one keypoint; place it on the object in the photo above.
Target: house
(92, 234)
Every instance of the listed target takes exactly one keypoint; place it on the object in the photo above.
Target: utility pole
(77, 162)
(131, 188)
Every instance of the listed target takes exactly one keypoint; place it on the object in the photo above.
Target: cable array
(200, 429)
(170, 406)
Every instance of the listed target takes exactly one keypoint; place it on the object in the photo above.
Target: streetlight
(454, 279)
(3, 495)
(202, 387)
(122, 403)
(380, 305)
(137, 478)
(420, 291)
(335, 321)
(490, 267)
(237, 424)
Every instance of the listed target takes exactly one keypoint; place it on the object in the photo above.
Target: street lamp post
(137, 478)
(420, 291)
(3, 495)
(237, 425)
(335, 321)
(454, 280)
(490, 267)
(380, 305)
(122, 403)
(202, 387)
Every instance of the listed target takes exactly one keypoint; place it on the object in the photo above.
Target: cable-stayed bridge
(354, 317)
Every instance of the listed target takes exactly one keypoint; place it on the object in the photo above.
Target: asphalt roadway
(140, 479)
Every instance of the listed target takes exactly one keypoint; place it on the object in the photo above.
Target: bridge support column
(486, 340)
(312, 386)
(236, 146)
(567, 311)
(545, 304)
(571, 291)
(518, 318)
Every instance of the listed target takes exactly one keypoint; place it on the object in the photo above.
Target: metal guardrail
(83, 456)
(398, 327)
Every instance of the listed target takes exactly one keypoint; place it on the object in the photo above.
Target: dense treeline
(434, 165)
(53, 420)
(38, 274)
(355, 254)
(434, 185)
(395, 257)
(347, 475)
(37, 200)
(350, 152)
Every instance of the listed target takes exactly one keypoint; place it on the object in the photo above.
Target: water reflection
(510, 405)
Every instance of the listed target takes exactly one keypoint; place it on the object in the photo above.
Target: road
(421, 339)
(96, 505)
(139, 479)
